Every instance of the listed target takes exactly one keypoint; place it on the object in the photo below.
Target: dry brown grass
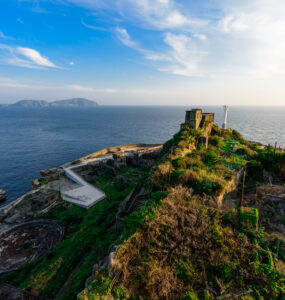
(182, 230)
(270, 215)
(160, 176)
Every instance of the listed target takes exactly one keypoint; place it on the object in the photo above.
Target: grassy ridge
(183, 246)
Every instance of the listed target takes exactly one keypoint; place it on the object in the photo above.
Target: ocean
(33, 139)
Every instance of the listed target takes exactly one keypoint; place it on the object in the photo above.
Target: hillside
(175, 224)
(30, 103)
(74, 102)
(198, 242)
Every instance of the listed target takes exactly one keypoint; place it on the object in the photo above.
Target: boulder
(48, 172)
(51, 174)
(36, 184)
(3, 196)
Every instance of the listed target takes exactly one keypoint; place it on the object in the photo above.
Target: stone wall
(117, 149)
(208, 117)
(89, 170)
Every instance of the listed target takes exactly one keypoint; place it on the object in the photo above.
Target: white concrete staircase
(82, 193)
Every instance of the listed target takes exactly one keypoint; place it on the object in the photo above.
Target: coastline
(64, 176)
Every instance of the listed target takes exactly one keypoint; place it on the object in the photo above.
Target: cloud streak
(206, 38)
(24, 57)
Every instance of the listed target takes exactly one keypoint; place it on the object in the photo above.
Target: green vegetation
(42, 180)
(184, 247)
(205, 170)
(270, 160)
(248, 218)
(88, 236)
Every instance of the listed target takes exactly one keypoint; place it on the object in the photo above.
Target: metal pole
(242, 189)
(240, 204)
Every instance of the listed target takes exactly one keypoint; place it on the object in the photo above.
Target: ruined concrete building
(196, 118)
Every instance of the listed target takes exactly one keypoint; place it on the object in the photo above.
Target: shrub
(203, 182)
(226, 134)
(238, 136)
(160, 176)
(223, 171)
(216, 141)
(245, 150)
(179, 163)
(255, 170)
(185, 271)
(211, 157)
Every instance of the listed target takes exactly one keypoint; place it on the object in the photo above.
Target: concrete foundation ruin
(196, 118)
(27, 242)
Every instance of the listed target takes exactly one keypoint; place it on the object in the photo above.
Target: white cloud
(125, 38)
(35, 57)
(98, 28)
(185, 55)
(24, 57)
(257, 28)
(20, 20)
(85, 89)
(246, 38)
(80, 88)
(200, 36)
(203, 38)
(3, 36)
(155, 14)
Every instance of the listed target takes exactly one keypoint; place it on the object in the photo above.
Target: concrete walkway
(80, 193)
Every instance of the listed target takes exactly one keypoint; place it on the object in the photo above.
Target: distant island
(74, 102)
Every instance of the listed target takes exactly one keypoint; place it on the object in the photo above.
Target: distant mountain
(74, 102)
(31, 103)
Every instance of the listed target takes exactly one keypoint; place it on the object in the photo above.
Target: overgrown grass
(181, 247)
(187, 249)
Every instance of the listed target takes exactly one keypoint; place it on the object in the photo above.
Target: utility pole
(242, 188)
(275, 147)
(226, 109)
(240, 204)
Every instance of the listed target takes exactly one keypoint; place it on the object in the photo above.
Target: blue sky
(168, 52)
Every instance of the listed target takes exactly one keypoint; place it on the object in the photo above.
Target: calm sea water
(32, 139)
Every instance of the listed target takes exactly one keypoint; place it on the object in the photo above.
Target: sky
(144, 52)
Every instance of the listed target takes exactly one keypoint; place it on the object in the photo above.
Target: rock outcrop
(2, 196)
